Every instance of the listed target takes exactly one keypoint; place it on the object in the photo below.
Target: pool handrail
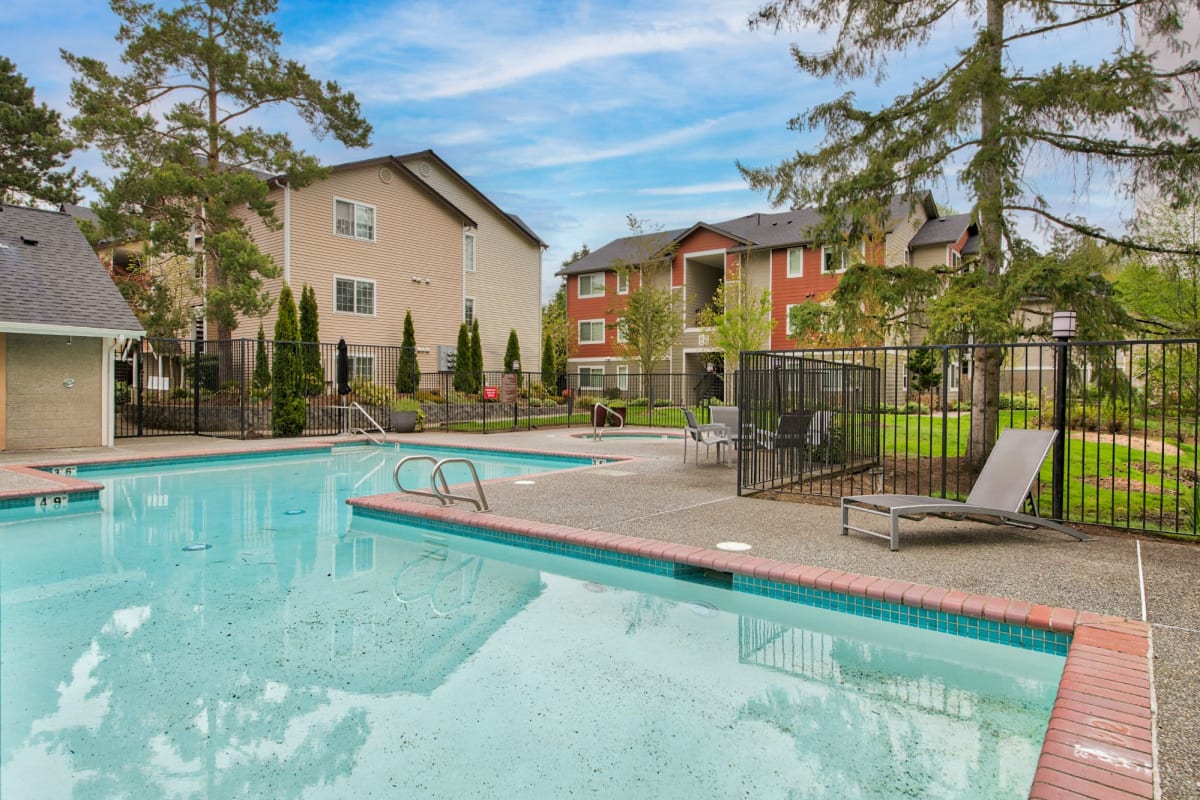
(443, 494)
(598, 430)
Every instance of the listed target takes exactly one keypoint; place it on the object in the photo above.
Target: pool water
(318, 655)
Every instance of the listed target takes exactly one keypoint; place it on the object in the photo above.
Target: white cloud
(697, 188)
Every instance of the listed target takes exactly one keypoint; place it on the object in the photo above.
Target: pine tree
(182, 128)
(408, 372)
(476, 356)
(464, 373)
(310, 335)
(512, 353)
(33, 148)
(262, 367)
(289, 409)
(995, 121)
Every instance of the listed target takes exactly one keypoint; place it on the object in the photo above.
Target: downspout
(287, 233)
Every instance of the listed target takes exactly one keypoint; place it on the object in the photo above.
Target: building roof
(756, 231)
(52, 281)
(941, 230)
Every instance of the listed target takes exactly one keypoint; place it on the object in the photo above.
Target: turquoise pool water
(318, 655)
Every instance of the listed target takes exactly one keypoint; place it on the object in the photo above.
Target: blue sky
(570, 114)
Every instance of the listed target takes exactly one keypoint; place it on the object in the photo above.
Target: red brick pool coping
(1099, 743)
(1100, 740)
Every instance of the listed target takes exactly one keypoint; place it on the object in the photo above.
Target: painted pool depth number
(70, 471)
(49, 503)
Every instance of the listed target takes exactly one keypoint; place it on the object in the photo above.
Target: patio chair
(789, 438)
(729, 417)
(1000, 493)
(707, 435)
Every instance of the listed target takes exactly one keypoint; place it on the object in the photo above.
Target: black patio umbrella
(343, 368)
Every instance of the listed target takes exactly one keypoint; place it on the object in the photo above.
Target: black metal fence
(920, 420)
(157, 394)
(829, 423)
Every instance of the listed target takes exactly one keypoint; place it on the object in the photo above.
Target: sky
(570, 114)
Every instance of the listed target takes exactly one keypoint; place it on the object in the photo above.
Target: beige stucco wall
(507, 280)
(414, 237)
(40, 411)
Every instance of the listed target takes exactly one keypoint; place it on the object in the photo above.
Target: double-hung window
(362, 368)
(795, 262)
(622, 283)
(623, 377)
(591, 284)
(591, 378)
(355, 220)
(354, 296)
(622, 331)
(834, 258)
(468, 310)
(591, 331)
(468, 251)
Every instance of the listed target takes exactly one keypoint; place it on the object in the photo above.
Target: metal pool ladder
(442, 494)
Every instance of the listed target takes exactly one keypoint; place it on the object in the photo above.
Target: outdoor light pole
(1063, 332)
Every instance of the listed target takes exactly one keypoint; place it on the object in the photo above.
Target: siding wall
(507, 280)
(811, 287)
(896, 242)
(40, 412)
(414, 237)
(3, 390)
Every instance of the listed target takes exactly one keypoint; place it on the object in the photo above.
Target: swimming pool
(321, 655)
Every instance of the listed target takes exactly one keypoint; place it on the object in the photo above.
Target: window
(354, 219)
(834, 258)
(468, 251)
(362, 368)
(955, 259)
(591, 284)
(354, 296)
(591, 331)
(623, 377)
(795, 262)
(622, 331)
(622, 283)
(468, 310)
(198, 317)
(591, 378)
(787, 320)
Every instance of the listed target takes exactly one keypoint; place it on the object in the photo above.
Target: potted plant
(616, 412)
(407, 415)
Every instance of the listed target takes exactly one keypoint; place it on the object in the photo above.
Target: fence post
(139, 367)
(1064, 331)
(197, 343)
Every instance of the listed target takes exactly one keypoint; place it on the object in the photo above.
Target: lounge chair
(997, 498)
(708, 435)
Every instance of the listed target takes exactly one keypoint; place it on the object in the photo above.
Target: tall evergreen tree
(179, 128)
(262, 367)
(408, 372)
(995, 117)
(464, 372)
(289, 409)
(549, 368)
(33, 146)
(310, 335)
(476, 355)
(512, 353)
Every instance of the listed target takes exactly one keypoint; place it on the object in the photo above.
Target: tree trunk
(985, 383)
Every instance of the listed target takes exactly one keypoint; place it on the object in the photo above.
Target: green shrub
(913, 407)
(121, 392)
(369, 394)
(639, 402)
(289, 416)
(180, 393)
(1020, 401)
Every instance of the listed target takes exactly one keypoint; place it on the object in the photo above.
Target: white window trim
(359, 358)
(591, 372)
(622, 278)
(590, 323)
(788, 266)
(469, 266)
(825, 251)
(787, 320)
(474, 310)
(355, 236)
(623, 377)
(589, 275)
(622, 338)
(356, 281)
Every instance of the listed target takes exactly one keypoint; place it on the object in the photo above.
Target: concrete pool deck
(656, 497)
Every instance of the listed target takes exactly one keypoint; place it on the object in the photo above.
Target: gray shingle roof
(753, 231)
(943, 230)
(51, 280)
